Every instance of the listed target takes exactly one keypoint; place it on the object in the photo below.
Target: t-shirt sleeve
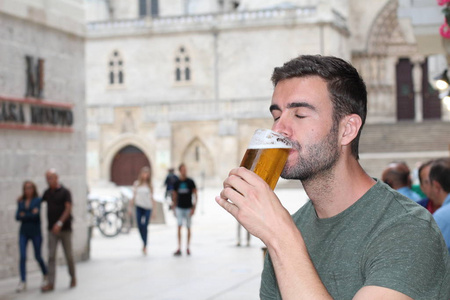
(68, 197)
(407, 257)
(269, 286)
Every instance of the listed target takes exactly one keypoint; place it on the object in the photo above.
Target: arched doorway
(198, 160)
(126, 165)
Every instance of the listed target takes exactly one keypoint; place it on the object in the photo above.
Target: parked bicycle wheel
(110, 224)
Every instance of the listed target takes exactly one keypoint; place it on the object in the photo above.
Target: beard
(319, 158)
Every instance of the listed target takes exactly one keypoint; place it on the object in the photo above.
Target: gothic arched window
(182, 66)
(115, 69)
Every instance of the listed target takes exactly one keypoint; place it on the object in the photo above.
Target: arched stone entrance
(126, 165)
(198, 160)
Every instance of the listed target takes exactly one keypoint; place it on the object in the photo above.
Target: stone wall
(27, 154)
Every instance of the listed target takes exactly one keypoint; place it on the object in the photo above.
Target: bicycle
(105, 214)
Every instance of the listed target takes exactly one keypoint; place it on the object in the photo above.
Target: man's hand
(35, 210)
(56, 229)
(251, 201)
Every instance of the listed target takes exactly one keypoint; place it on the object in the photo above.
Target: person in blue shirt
(397, 176)
(440, 192)
(28, 213)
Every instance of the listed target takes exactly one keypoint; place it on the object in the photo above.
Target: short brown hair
(347, 89)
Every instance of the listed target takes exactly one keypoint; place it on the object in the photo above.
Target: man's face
(302, 111)
(52, 180)
(425, 185)
(183, 171)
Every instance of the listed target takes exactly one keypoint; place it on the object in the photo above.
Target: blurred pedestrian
(440, 192)
(29, 214)
(144, 202)
(239, 228)
(169, 184)
(425, 186)
(397, 176)
(184, 205)
(59, 209)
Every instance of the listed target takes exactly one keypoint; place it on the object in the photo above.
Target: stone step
(405, 137)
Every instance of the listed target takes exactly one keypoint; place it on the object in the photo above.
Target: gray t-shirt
(384, 239)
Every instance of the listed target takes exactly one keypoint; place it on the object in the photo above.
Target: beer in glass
(266, 155)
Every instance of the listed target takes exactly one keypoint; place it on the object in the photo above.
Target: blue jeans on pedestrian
(143, 218)
(37, 242)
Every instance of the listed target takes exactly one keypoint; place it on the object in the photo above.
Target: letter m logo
(35, 77)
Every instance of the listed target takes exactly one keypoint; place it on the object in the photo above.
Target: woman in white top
(144, 202)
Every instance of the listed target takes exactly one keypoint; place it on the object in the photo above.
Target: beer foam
(268, 139)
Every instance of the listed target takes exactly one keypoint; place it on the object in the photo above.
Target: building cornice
(61, 15)
(309, 15)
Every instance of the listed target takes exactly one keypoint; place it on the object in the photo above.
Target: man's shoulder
(443, 214)
(63, 188)
(400, 211)
(408, 192)
(37, 200)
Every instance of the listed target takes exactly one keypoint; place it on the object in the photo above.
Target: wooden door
(126, 165)
(430, 97)
(405, 90)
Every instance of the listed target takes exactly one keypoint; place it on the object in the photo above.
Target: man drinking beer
(356, 238)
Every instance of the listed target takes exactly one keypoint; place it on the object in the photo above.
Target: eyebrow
(294, 105)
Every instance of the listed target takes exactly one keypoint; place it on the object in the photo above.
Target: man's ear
(435, 185)
(350, 127)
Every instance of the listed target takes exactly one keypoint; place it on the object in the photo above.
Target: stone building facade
(42, 114)
(189, 81)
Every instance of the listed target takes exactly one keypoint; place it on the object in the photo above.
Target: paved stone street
(217, 269)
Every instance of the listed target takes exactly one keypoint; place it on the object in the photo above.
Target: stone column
(417, 83)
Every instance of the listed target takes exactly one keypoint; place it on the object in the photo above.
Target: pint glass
(266, 155)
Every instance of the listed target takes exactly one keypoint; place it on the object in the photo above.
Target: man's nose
(281, 127)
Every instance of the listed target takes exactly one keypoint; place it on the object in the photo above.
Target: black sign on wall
(35, 77)
(33, 112)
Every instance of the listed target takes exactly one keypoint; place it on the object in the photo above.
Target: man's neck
(432, 206)
(55, 187)
(440, 199)
(336, 190)
(397, 187)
